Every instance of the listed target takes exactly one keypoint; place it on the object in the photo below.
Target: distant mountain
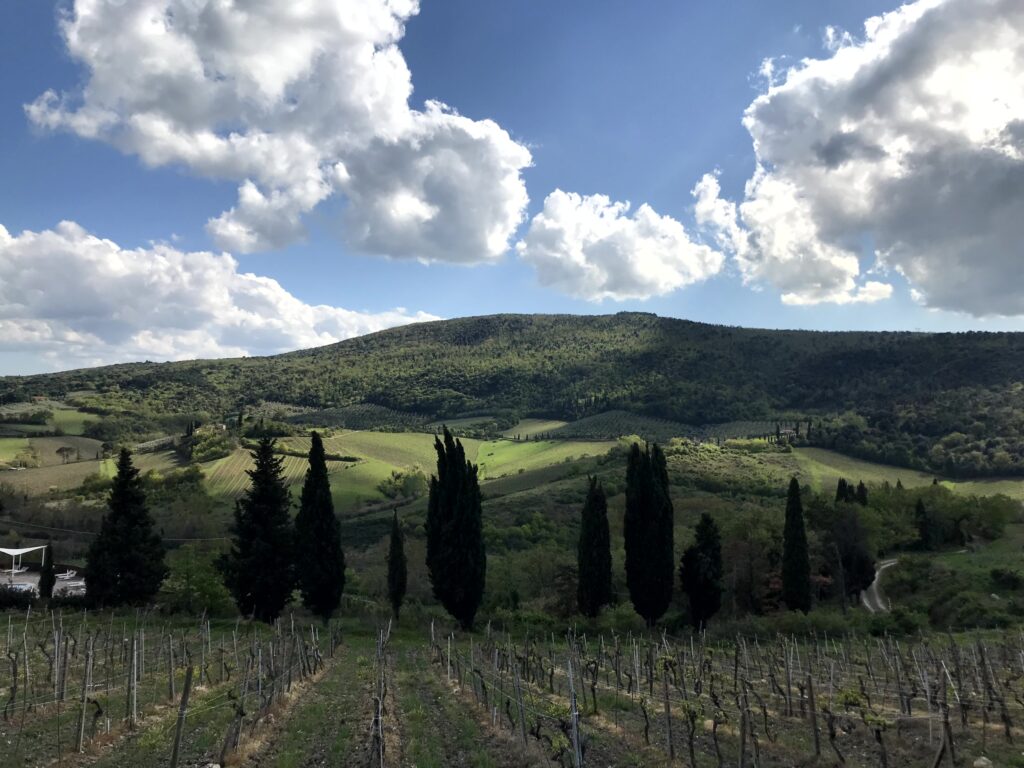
(909, 391)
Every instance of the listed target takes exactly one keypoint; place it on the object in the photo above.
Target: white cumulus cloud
(79, 300)
(296, 102)
(592, 248)
(906, 144)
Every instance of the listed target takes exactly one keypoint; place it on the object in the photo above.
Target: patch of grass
(527, 428)
(70, 420)
(505, 457)
(10, 447)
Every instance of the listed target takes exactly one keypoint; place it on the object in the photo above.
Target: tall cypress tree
(648, 532)
(796, 564)
(258, 570)
(456, 558)
(700, 572)
(319, 558)
(125, 562)
(397, 569)
(594, 553)
(47, 574)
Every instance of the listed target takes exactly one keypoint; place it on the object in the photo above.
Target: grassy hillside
(936, 402)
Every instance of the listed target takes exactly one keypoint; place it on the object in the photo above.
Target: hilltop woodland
(951, 404)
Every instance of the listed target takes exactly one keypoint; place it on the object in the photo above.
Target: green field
(503, 457)
(61, 477)
(823, 468)
(527, 428)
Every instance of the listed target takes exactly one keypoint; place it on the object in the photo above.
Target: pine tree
(700, 572)
(796, 567)
(456, 558)
(594, 553)
(125, 562)
(397, 569)
(258, 570)
(47, 574)
(648, 531)
(320, 560)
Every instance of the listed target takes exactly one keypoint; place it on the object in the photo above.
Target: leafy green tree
(319, 558)
(258, 570)
(193, 584)
(700, 572)
(397, 568)
(648, 532)
(456, 557)
(594, 553)
(796, 565)
(47, 574)
(125, 562)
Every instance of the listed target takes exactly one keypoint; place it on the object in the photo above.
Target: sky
(209, 178)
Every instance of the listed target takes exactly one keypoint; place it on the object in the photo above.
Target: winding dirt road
(871, 598)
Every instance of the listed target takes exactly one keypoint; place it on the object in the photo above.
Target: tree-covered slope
(924, 387)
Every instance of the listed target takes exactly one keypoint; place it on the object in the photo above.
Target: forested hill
(918, 385)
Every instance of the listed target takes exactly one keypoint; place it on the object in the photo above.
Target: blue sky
(633, 101)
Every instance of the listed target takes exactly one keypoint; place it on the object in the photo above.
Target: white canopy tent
(15, 555)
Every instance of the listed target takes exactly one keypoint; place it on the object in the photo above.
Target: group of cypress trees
(648, 532)
(269, 557)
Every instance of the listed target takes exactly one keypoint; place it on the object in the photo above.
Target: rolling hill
(949, 402)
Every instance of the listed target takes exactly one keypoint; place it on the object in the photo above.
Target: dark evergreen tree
(125, 562)
(850, 545)
(928, 534)
(456, 558)
(796, 566)
(594, 553)
(319, 558)
(47, 574)
(397, 570)
(700, 572)
(648, 531)
(842, 490)
(258, 570)
(861, 495)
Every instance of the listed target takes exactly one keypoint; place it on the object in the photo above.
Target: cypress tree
(47, 575)
(594, 553)
(842, 491)
(796, 566)
(861, 495)
(125, 562)
(397, 571)
(648, 530)
(700, 572)
(456, 558)
(258, 570)
(927, 535)
(320, 560)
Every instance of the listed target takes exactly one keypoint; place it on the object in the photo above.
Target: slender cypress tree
(594, 553)
(258, 570)
(456, 557)
(648, 531)
(47, 575)
(796, 565)
(397, 570)
(319, 558)
(842, 490)
(701, 572)
(927, 529)
(861, 494)
(125, 562)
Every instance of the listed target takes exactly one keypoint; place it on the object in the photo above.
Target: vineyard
(770, 702)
